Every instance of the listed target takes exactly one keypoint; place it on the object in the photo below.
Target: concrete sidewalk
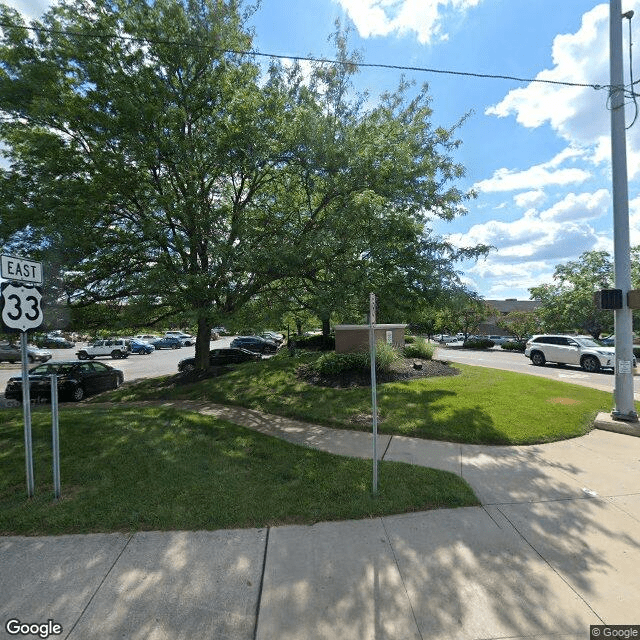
(553, 549)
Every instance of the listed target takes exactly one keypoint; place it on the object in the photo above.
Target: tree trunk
(202, 344)
(326, 328)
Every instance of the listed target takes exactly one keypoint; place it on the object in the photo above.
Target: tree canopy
(567, 302)
(152, 162)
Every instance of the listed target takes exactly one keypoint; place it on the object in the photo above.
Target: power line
(296, 58)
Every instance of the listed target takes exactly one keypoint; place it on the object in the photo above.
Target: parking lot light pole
(624, 400)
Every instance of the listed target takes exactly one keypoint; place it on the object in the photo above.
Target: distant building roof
(513, 304)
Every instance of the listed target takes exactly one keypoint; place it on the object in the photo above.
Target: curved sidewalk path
(554, 548)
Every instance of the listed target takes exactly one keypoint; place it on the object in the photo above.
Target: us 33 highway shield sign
(21, 306)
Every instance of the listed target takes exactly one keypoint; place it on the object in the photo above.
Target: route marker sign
(22, 306)
(22, 310)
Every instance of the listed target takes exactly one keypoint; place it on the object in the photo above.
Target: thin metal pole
(55, 436)
(623, 318)
(26, 412)
(374, 394)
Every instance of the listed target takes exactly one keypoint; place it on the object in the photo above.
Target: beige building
(489, 326)
(355, 337)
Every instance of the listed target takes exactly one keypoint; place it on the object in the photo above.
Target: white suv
(114, 347)
(562, 349)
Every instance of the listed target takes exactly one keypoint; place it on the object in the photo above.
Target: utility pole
(624, 401)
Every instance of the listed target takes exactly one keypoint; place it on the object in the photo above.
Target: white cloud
(538, 176)
(385, 17)
(579, 207)
(580, 115)
(555, 234)
(529, 198)
(510, 279)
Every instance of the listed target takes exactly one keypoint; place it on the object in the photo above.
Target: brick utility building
(355, 337)
(503, 307)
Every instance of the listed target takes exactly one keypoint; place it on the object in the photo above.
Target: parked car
(112, 347)
(140, 347)
(55, 342)
(563, 349)
(255, 343)
(75, 380)
(221, 357)
(13, 353)
(278, 338)
(186, 339)
(499, 339)
(166, 343)
(609, 341)
(146, 337)
(446, 339)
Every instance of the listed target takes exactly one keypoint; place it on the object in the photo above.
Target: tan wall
(356, 338)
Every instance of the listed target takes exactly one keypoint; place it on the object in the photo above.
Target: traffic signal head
(608, 299)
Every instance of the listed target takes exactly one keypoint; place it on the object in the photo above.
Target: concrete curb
(608, 423)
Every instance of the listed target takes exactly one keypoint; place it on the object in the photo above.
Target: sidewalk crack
(261, 587)
(95, 593)
(404, 584)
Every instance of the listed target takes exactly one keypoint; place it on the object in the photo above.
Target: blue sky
(538, 155)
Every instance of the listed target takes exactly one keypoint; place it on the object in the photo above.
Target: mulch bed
(401, 370)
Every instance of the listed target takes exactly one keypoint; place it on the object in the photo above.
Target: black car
(221, 357)
(255, 343)
(75, 380)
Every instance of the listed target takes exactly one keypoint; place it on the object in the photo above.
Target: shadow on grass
(166, 468)
(425, 417)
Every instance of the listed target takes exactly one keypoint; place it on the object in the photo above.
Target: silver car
(13, 353)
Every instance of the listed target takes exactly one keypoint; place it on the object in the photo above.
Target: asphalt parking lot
(135, 367)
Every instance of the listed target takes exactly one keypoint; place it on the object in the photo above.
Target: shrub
(419, 349)
(410, 339)
(339, 363)
(513, 345)
(315, 342)
(479, 343)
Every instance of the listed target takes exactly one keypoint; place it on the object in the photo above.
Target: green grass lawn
(131, 469)
(480, 405)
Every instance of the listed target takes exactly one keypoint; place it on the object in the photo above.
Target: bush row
(479, 343)
(331, 364)
(514, 346)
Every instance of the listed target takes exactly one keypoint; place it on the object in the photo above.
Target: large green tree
(138, 147)
(152, 163)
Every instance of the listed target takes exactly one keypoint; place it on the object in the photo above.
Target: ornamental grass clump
(333, 364)
(419, 348)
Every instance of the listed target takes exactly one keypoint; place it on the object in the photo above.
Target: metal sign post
(55, 436)
(374, 395)
(26, 412)
(22, 310)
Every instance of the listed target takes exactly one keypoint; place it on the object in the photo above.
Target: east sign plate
(20, 269)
